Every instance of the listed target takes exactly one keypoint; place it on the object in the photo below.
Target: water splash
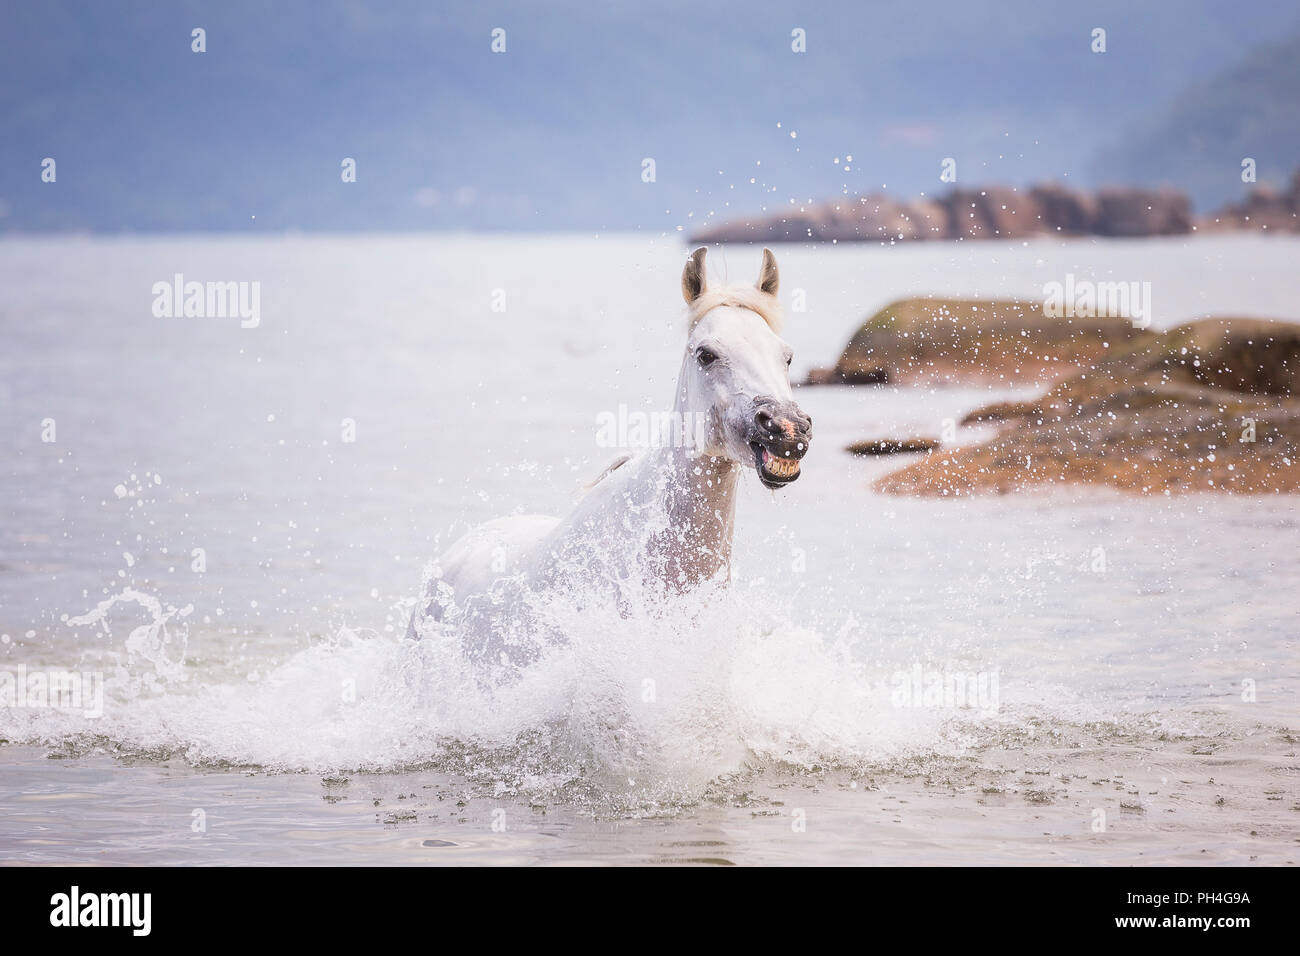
(634, 710)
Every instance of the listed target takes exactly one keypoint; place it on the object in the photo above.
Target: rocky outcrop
(892, 446)
(864, 375)
(1142, 212)
(1066, 212)
(993, 212)
(851, 220)
(1002, 212)
(1000, 412)
(1209, 406)
(1265, 209)
(998, 341)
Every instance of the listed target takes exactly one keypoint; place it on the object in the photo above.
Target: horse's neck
(700, 503)
(694, 494)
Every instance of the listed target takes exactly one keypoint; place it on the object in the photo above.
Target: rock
(1001, 412)
(1265, 209)
(1065, 211)
(930, 219)
(875, 217)
(878, 218)
(821, 376)
(1142, 212)
(892, 446)
(797, 226)
(973, 340)
(1209, 406)
(863, 376)
(993, 213)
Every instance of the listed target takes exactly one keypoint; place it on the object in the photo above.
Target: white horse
(660, 521)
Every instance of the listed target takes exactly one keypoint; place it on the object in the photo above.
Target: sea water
(229, 523)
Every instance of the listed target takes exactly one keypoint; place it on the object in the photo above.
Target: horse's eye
(788, 360)
(705, 357)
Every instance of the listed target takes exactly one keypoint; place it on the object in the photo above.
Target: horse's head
(736, 374)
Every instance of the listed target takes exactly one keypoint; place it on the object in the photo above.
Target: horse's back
(473, 563)
(501, 539)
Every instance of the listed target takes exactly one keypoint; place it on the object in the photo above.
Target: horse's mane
(612, 467)
(740, 296)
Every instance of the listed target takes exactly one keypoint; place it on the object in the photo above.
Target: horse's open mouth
(774, 471)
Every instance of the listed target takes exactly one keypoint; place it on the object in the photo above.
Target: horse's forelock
(741, 297)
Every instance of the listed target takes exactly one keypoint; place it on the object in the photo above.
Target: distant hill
(1251, 109)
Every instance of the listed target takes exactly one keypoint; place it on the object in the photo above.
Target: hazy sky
(552, 133)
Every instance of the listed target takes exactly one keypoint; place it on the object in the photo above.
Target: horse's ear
(769, 280)
(693, 276)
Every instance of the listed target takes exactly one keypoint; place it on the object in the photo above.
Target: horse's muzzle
(779, 438)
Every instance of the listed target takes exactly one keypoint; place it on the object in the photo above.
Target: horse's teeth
(781, 467)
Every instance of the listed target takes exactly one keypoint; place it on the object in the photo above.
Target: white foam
(647, 706)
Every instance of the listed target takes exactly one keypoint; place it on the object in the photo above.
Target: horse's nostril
(765, 421)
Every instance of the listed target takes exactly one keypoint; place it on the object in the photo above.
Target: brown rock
(1064, 211)
(1265, 209)
(1001, 412)
(1142, 212)
(892, 446)
(993, 213)
(874, 217)
(973, 340)
(832, 376)
(821, 376)
(929, 218)
(1209, 406)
